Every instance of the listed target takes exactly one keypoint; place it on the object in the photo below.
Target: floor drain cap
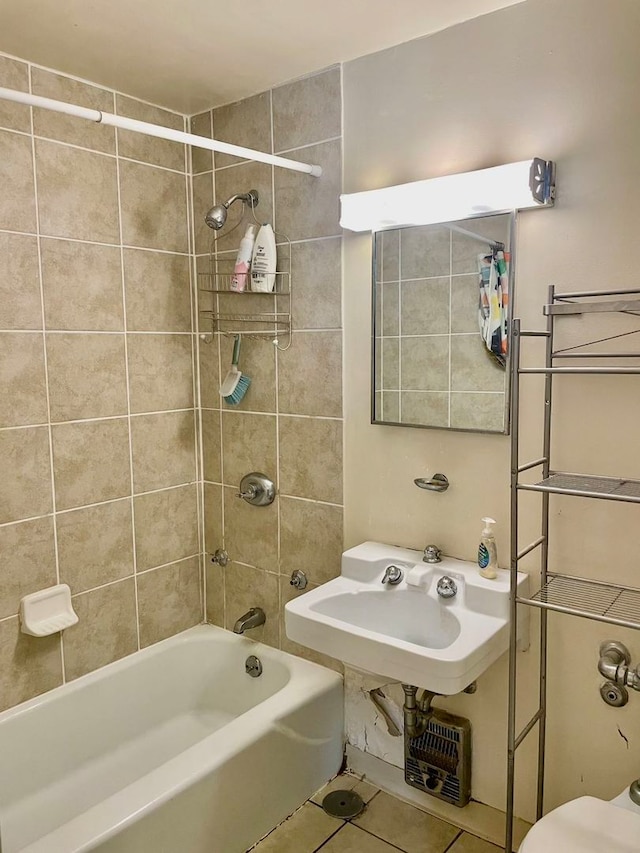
(343, 804)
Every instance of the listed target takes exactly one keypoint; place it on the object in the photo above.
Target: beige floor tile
(405, 826)
(346, 782)
(350, 839)
(303, 832)
(470, 844)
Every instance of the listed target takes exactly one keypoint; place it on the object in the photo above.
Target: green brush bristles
(239, 391)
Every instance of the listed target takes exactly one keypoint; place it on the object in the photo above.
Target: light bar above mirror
(513, 186)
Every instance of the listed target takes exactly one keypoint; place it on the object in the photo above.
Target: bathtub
(174, 749)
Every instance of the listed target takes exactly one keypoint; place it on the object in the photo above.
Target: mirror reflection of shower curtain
(493, 302)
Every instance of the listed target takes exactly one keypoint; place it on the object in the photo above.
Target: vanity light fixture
(514, 186)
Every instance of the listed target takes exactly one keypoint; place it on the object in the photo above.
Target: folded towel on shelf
(493, 302)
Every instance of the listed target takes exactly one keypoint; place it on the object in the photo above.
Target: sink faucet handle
(432, 554)
(446, 587)
(392, 575)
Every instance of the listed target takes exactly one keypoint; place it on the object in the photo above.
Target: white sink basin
(408, 632)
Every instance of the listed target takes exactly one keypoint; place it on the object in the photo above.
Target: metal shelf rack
(591, 599)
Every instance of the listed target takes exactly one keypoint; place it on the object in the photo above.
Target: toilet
(587, 825)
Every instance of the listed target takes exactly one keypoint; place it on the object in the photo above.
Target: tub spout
(251, 619)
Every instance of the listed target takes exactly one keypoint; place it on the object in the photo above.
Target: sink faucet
(392, 575)
(251, 619)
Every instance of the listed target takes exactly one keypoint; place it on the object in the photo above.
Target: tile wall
(289, 424)
(432, 368)
(97, 402)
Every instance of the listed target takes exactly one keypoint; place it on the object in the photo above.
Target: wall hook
(438, 483)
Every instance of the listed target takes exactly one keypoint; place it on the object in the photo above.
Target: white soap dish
(47, 611)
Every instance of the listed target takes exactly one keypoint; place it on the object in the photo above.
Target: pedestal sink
(406, 631)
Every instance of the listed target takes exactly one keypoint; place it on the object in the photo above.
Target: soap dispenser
(487, 551)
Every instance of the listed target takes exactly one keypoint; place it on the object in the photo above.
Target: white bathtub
(174, 749)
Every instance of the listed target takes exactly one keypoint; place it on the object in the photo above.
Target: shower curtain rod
(157, 130)
(474, 236)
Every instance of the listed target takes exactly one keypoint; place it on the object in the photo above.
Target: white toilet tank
(587, 825)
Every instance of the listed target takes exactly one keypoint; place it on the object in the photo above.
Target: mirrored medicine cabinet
(440, 359)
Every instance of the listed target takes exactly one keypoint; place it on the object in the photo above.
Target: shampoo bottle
(263, 263)
(241, 269)
(487, 551)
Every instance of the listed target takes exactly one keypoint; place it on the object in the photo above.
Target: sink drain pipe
(417, 711)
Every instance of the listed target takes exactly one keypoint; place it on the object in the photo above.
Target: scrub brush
(235, 385)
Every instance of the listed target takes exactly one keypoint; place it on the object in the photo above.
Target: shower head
(217, 216)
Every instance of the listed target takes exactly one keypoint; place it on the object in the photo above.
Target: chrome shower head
(217, 216)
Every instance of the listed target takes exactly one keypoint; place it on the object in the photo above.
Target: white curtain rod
(157, 130)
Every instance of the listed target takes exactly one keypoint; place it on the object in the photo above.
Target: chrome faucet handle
(432, 554)
(446, 587)
(392, 575)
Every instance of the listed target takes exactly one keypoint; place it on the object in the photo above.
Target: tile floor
(387, 825)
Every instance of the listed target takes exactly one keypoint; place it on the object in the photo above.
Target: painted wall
(97, 428)
(289, 424)
(539, 79)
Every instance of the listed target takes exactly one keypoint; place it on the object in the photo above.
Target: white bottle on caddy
(264, 261)
(243, 259)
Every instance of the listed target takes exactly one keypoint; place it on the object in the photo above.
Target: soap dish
(47, 611)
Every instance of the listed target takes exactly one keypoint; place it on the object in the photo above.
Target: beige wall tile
(212, 517)
(310, 375)
(17, 189)
(310, 539)
(246, 123)
(241, 179)
(250, 532)
(149, 149)
(160, 372)
(82, 286)
(215, 592)
(154, 208)
(425, 306)
(258, 362)
(166, 526)
(389, 363)
(311, 458)
(403, 825)
(91, 462)
(95, 545)
(23, 396)
(478, 411)
(209, 373)
(247, 587)
(211, 441)
(472, 367)
(169, 600)
(307, 110)
(425, 363)
(163, 450)
(307, 206)
(19, 282)
(425, 251)
(388, 243)
(14, 75)
(158, 292)
(106, 630)
(25, 486)
(316, 279)
(391, 406)
(27, 561)
(389, 311)
(77, 193)
(202, 202)
(87, 376)
(249, 444)
(201, 159)
(29, 666)
(427, 408)
(464, 303)
(75, 131)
